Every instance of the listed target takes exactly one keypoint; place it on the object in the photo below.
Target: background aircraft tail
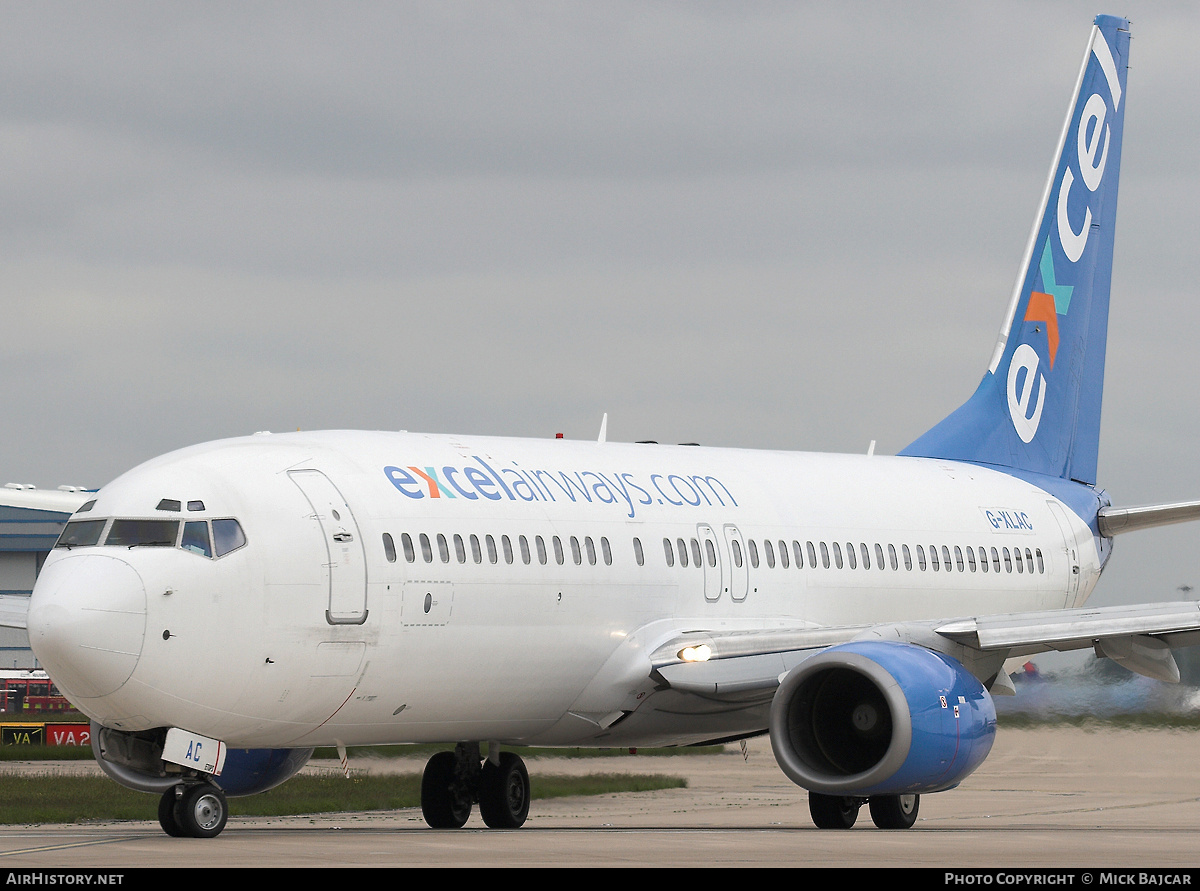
(1038, 407)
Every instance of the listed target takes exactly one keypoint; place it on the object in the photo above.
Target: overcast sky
(781, 225)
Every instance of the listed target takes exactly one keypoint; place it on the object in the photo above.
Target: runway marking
(42, 849)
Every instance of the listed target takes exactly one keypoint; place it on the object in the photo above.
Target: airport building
(30, 522)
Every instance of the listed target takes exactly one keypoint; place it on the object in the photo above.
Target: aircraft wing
(13, 610)
(741, 665)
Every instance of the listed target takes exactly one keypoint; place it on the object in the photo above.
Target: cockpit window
(143, 533)
(80, 534)
(227, 536)
(207, 539)
(86, 506)
(195, 538)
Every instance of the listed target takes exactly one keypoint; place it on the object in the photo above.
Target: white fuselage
(469, 625)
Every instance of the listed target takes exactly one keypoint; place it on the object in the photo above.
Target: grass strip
(46, 797)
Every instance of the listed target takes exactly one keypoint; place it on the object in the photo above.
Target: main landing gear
(193, 810)
(454, 781)
(841, 811)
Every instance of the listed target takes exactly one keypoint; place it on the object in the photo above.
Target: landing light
(698, 653)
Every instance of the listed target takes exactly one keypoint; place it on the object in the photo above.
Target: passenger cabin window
(389, 546)
(406, 543)
(637, 552)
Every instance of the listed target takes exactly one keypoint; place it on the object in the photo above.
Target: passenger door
(345, 559)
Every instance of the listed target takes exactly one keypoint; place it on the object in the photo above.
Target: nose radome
(87, 622)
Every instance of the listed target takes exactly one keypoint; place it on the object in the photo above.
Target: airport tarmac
(1046, 798)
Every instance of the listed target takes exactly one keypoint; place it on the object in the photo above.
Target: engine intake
(880, 718)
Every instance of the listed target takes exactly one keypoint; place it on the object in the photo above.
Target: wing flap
(1071, 629)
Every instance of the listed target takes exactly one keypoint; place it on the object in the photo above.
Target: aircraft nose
(87, 622)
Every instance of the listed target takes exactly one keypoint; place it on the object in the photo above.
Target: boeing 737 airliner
(223, 609)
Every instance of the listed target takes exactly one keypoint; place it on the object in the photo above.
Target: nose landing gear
(193, 810)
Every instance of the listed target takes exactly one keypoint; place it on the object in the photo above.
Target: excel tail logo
(1023, 377)
(1080, 175)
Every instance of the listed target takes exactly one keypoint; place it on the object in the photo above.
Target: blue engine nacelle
(880, 718)
(134, 760)
(250, 771)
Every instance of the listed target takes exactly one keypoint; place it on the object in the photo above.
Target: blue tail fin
(1038, 407)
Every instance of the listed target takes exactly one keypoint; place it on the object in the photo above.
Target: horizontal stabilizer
(1113, 520)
